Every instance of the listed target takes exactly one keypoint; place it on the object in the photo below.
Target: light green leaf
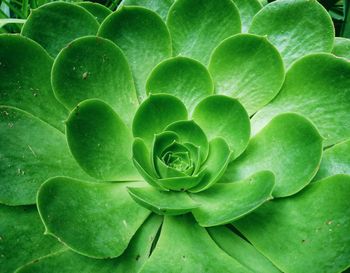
(186, 247)
(93, 67)
(22, 238)
(106, 215)
(311, 228)
(289, 27)
(160, 7)
(161, 202)
(31, 151)
(241, 250)
(198, 26)
(224, 203)
(341, 47)
(144, 44)
(247, 10)
(182, 77)
(182, 183)
(4, 22)
(130, 261)
(289, 146)
(335, 160)
(25, 83)
(221, 116)
(100, 12)
(249, 68)
(100, 142)
(54, 25)
(189, 132)
(317, 87)
(215, 165)
(155, 113)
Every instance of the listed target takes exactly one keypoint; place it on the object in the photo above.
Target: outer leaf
(215, 165)
(310, 228)
(31, 151)
(144, 44)
(182, 77)
(224, 203)
(289, 146)
(249, 68)
(293, 32)
(198, 26)
(247, 10)
(106, 215)
(161, 202)
(25, 84)
(132, 259)
(184, 247)
(335, 160)
(189, 132)
(100, 142)
(155, 113)
(241, 250)
(221, 116)
(318, 87)
(93, 67)
(341, 47)
(160, 7)
(99, 11)
(21, 237)
(56, 24)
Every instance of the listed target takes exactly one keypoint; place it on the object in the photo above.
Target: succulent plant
(159, 138)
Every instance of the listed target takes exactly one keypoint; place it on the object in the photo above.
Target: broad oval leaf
(289, 27)
(100, 142)
(95, 68)
(247, 11)
(106, 215)
(198, 26)
(341, 47)
(144, 44)
(54, 25)
(289, 146)
(99, 11)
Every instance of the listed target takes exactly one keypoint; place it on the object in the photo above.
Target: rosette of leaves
(159, 138)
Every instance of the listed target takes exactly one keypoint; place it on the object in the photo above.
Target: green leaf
(289, 146)
(241, 250)
(249, 68)
(160, 7)
(247, 10)
(341, 47)
(186, 247)
(166, 171)
(317, 87)
(54, 25)
(25, 83)
(100, 142)
(4, 22)
(335, 160)
(215, 165)
(182, 77)
(106, 215)
(100, 12)
(155, 113)
(93, 67)
(31, 151)
(144, 44)
(221, 116)
(189, 132)
(161, 202)
(181, 183)
(198, 26)
(310, 228)
(22, 238)
(224, 203)
(131, 260)
(289, 27)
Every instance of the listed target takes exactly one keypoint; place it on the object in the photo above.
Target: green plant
(173, 142)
